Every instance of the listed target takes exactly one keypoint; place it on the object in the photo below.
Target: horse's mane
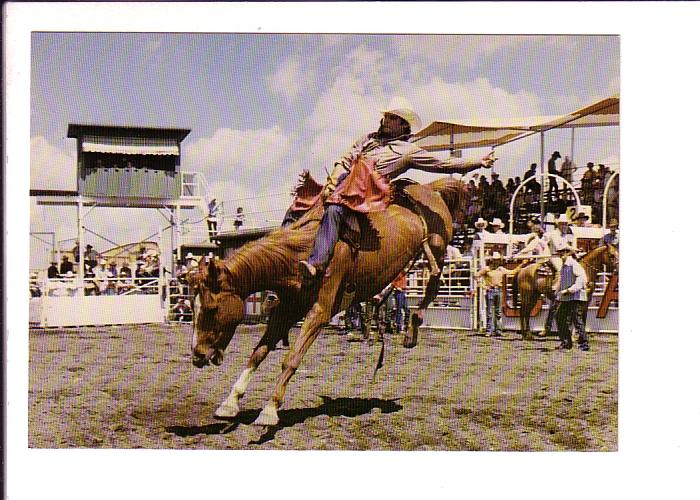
(269, 256)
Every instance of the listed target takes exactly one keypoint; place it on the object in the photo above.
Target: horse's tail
(516, 289)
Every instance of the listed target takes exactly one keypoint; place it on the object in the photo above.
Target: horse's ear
(212, 275)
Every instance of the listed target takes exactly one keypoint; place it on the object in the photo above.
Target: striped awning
(130, 145)
(460, 134)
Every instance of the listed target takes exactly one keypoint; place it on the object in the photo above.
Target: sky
(262, 107)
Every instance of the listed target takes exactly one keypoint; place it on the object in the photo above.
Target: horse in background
(388, 242)
(529, 285)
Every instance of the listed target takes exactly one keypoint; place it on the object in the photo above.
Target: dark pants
(569, 313)
(353, 318)
(551, 313)
(580, 322)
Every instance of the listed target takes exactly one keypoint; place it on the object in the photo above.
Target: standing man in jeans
(400, 285)
(573, 300)
(492, 276)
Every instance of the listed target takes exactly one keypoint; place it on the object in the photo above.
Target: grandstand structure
(120, 167)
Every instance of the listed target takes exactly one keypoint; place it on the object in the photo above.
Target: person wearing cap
(66, 265)
(387, 153)
(238, 218)
(572, 298)
(212, 219)
(52, 271)
(497, 226)
(587, 181)
(535, 244)
(102, 276)
(552, 169)
(532, 186)
(492, 280)
(560, 237)
(34, 286)
(581, 220)
(125, 269)
(613, 237)
(478, 241)
(90, 257)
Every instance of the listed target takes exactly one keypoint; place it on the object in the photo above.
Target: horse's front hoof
(227, 412)
(268, 417)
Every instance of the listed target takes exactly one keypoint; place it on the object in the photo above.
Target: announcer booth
(119, 167)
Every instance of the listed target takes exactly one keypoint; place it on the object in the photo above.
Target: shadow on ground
(331, 407)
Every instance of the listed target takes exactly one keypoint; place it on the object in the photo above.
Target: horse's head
(612, 256)
(218, 309)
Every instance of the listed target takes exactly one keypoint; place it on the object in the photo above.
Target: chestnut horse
(389, 241)
(529, 285)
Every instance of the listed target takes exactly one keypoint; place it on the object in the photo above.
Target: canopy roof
(459, 134)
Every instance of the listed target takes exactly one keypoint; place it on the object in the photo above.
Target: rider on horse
(360, 179)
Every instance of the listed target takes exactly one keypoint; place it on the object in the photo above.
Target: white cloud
(51, 167)
(245, 167)
(290, 79)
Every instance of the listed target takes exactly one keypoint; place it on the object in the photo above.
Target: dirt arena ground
(135, 387)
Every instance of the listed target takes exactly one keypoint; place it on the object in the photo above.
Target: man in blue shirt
(613, 237)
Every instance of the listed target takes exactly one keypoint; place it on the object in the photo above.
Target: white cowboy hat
(564, 248)
(495, 255)
(480, 223)
(69, 273)
(189, 255)
(562, 219)
(400, 107)
(497, 222)
(549, 218)
(103, 262)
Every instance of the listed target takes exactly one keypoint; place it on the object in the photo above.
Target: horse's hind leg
(525, 310)
(277, 328)
(410, 339)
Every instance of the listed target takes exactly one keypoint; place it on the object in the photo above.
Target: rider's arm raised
(402, 156)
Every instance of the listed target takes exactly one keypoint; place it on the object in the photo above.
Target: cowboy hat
(562, 219)
(613, 223)
(189, 255)
(564, 248)
(497, 222)
(103, 262)
(480, 223)
(495, 255)
(549, 218)
(401, 108)
(557, 154)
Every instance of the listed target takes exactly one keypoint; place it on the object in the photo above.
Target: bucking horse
(419, 221)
